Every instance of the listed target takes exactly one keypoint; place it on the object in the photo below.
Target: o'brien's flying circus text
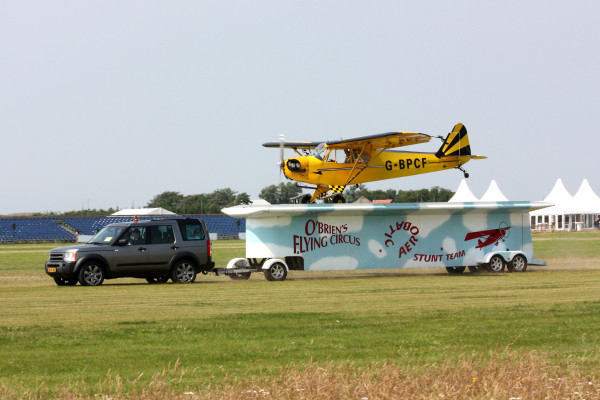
(320, 235)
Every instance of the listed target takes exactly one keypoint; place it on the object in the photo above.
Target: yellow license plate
(51, 269)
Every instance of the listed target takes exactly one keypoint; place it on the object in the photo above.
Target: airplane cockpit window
(364, 157)
(351, 156)
(319, 151)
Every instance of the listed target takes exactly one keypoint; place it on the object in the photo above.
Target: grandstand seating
(56, 228)
(33, 229)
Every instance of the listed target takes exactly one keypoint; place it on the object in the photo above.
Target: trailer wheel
(455, 270)
(496, 264)
(276, 272)
(518, 264)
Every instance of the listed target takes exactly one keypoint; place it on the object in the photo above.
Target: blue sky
(106, 104)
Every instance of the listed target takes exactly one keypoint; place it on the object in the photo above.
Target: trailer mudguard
(238, 263)
(272, 261)
(506, 255)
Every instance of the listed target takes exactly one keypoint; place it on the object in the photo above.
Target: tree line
(280, 194)
(214, 202)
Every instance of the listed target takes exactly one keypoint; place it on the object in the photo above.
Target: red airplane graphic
(491, 236)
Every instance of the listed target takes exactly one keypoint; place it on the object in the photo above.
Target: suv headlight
(70, 256)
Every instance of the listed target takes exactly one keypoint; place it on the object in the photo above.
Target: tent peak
(142, 211)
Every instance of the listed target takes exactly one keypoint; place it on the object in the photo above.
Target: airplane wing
(380, 141)
(293, 145)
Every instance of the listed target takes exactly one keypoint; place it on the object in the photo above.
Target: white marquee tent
(142, 212)
(586, 201)
(569, 212)
(493, 193)
(553, 217)
(587, 205)
(463, 194)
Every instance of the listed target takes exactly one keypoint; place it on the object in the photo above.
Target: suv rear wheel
(91, 274)
(183, 272)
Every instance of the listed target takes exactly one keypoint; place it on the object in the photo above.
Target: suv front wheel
(183, 272)
(91, 274)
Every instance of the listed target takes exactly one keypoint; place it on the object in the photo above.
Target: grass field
(365, 334)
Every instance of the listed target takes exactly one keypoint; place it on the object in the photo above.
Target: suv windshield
(107, 235)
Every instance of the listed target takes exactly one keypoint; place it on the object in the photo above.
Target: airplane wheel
(338, 199)
(305, 199)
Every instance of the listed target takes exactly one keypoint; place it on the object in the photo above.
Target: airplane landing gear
(466, 174)
(338, 199)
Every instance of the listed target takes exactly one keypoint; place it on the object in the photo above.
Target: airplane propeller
(281, 140)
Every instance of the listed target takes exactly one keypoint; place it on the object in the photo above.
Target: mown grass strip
(70, 337)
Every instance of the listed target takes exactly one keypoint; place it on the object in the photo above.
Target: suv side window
(136, 235)
(191, 230)
(161, 234)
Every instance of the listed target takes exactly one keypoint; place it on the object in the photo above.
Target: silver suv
(156, 250)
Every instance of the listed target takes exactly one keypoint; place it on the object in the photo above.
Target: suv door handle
(174, 247)
(142, 249)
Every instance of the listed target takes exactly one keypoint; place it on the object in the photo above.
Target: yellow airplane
(333, 165)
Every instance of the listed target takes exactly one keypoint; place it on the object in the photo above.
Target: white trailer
(310, 237)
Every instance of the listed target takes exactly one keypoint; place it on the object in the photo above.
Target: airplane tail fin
(456, 143)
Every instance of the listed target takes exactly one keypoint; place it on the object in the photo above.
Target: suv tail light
(208, 247)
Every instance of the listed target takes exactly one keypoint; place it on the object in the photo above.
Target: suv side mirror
(123, 241)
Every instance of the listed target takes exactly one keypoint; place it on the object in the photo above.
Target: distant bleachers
(33, 229)
(224, 225)
(65, 228)
(91, 225)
